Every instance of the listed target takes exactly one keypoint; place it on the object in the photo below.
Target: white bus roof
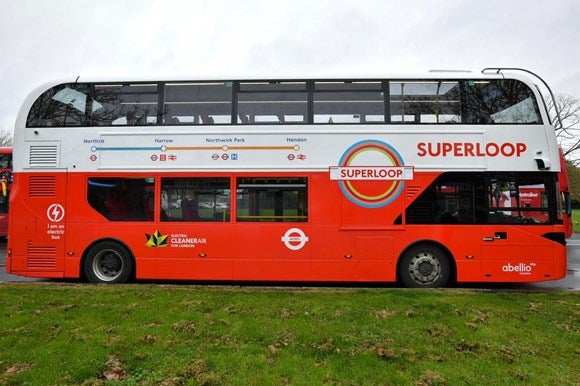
(283, 77)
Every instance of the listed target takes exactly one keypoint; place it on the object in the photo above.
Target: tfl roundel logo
(371, 173)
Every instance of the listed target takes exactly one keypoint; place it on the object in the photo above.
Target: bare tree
(568, 127)
(5, 137)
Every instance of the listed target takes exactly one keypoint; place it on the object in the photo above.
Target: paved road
(572, 279)
(571, 282)
(3, 275)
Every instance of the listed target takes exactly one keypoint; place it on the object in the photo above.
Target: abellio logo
(521, 268)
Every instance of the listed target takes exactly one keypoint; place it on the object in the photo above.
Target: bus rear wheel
(424, 266)
(108, 262)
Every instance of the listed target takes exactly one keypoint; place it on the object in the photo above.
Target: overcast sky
(45, 40)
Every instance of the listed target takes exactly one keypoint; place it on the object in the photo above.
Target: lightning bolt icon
(55, 212)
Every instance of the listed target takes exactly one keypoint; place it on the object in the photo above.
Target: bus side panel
(271, 251)
(332, 254)
(191, 268)
(512, 254)
(332, 250)
(37, 241)
(375, 259)
(194, 251)
(339, 255)
(224, 251)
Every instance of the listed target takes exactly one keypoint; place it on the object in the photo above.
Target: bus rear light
(202, 254)
(9, 252)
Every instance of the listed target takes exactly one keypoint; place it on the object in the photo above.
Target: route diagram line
(189, 148)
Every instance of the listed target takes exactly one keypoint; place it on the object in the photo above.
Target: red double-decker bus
(5, 187)
(345, 179)
(564, 181)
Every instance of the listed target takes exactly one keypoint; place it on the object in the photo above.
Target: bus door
(368, 216)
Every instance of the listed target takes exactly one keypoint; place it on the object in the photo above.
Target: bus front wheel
(108, 262)
(424, 266)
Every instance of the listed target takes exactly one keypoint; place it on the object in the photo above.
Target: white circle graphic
(293, 236)
(55, 212)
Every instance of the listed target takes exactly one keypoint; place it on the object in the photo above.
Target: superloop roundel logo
(372, 173)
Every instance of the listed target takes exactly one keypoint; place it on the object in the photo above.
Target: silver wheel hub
(107, 265)
(425, 268)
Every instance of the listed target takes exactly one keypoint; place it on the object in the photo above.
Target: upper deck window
(425, 102)
(349, 102)
(64, 105)
(430, 101)
(197, 103)
(499, 101)
(272, 102)
(124, 104)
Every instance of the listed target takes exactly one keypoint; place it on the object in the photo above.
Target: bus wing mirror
(543, 163)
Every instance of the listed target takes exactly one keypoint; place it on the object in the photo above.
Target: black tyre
(424, 266)
(108, 262)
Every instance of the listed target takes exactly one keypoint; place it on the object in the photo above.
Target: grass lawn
(576, 220)
(53, 334)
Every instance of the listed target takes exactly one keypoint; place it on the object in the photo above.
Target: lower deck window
(122, 199)
(195, 199)
(272, 199)
(517, 200)
(487, 198)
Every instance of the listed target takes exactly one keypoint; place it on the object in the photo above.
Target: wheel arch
(107, 239)
(448, 254)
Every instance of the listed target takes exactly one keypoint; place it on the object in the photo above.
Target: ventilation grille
(43, 156)
(42, 186)
(34, 250)
(41, 263)
(412, 191)
(41, 257)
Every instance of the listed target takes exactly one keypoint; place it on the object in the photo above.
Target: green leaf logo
(156, 240)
